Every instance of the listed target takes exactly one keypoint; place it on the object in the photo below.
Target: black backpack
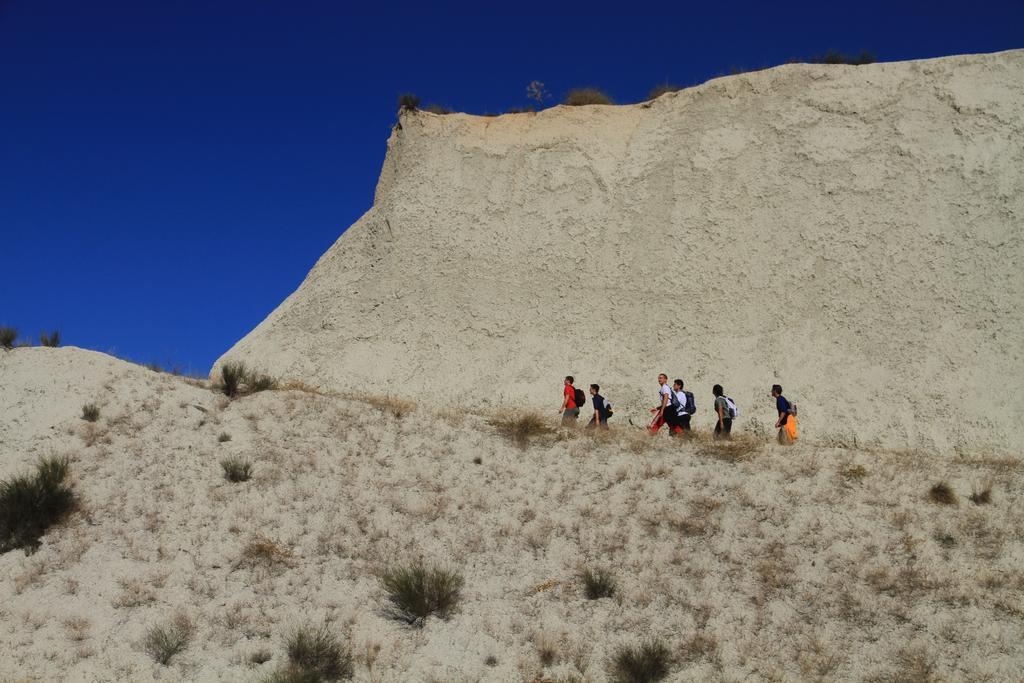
(580, 397)
(691, 403)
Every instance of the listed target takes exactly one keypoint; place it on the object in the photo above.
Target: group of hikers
(676, 406)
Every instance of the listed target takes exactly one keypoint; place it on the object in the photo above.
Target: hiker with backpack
(685, 406)
(572, 399)
(786, 424)
(602, 409)
(665, 401)
(726, 410)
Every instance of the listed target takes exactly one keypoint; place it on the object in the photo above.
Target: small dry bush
(853, 472)
(663, 89)
(51, 339)
(836, 57)
(396, 407)
(8, 335)
(263, 552)
(408, 102)
(90, 412)
(417, 591)
(166, 640)
(700, 646)
(646, 663)
(737, 449)
(236, 468)
(597, 584)
(224, 437)
(942, 493)
(31, 503)
(437, 109)
(238, 380)
(982, 497)
(522, 427)
(579, 97)
(314, 655)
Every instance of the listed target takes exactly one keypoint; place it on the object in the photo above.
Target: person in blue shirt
(782, 405)
(600, 419)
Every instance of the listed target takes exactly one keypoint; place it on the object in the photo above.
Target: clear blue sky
(171, 169)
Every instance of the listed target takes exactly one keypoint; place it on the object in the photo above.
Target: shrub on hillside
(836, 57)
(90, 412)
(51, 339)
(408, 102)
(662, 89)
(579, 97)
(236, 380)
(8, 335)
(317, 652)
(236, 468)
(520, 428)
(166, 640)
(646, 663)
(982, 497)
(942, 493)
(597, 584)
(437, 109)
(29, 504)
(417, 591)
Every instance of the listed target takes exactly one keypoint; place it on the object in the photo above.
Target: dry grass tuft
(164, 641)
(853, 472)
(90, 412)
(263, 552)
(223, 437)
(50, 339)
(8, 335)
(942, 493)
(597, 584)
(236, 468)
(417, 591)
(522, 427)
(314, 654)
(396, 407)
(700, 646)
(646, 663)
(298, 385)
(737, 449)
(983, 497)
(32, 503)
(579, 97)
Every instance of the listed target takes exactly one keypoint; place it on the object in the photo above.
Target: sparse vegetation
(836, 57)
(417, 591)
(700, 646)
(521, 428)
(520, 110)
(579, 97)
(236, 468)
(261, 656)
(30, 504)
(597, 584)
(942, 493)
(51, 339)
(408, 102)
(491, 660)
(8, 335)
(736, 449)
(90, 412)
(223, 437)
(164, 641)
(982, 497)
(537, 92)
(437, 109)
(315, 654)
(853, 472)
(646, 663)
(238, 380)
(263, 552)
(396, 407)
(663, 89)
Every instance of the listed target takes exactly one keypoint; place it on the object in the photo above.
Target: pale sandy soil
(782, 566)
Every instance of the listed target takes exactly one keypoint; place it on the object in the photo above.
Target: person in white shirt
(663, 413)
(682, 423)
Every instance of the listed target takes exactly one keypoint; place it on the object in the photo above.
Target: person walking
(664, 402)
(723, 428)
(684, 407)
(786, 424)
(600, 418)
(570, 409)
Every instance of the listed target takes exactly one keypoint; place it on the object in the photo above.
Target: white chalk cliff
(853, 233)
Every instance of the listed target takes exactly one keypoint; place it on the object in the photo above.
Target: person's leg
(727, 427)
(684, 422)
(718, 429)
(656, 425)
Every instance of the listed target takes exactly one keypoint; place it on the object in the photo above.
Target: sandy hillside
(854, 233)
(758, 563)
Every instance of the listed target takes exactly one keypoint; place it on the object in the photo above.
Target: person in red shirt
(569, 410)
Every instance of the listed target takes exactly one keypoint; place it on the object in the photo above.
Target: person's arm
(597, 415)
(782, 416)
(565, 403)
(721, 413)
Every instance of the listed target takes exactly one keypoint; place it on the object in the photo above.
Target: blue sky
(171, 169)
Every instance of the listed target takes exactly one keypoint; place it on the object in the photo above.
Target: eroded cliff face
(853, 233)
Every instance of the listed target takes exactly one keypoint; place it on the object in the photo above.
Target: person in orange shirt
(570, 410)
